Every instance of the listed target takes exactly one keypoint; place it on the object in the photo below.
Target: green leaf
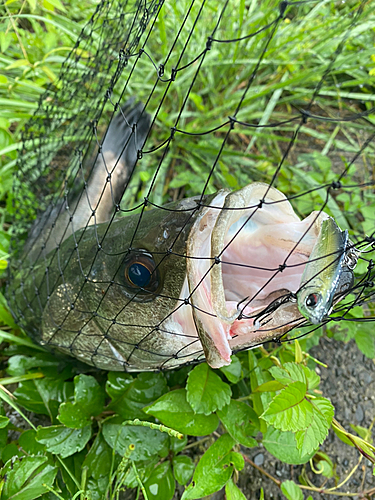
(176, 445)
(214, 469)
(310, 438)
(174, 411)
(289, 410)
(291, 490)
(98, 460)
(270, 386)
(241, 422)
(161, 484)
(63, 441)
(129, 395)
(233, 371)
(29, 444)
(206, 392)
(147, 442)
(183, 468)
(4, 421)
(38, 395)
(88, 402)
(293, 372)
(24, 478)
(283, 446)
(232, 492)
(365, 340)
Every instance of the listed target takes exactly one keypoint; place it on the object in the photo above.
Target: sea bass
(200, 277)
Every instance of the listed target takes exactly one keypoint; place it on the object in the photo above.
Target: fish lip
(218, 329)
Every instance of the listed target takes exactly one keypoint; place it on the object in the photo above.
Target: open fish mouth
(245, 257)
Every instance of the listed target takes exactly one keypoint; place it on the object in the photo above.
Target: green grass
(82, 450)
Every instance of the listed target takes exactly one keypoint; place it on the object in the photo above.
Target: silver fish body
(327, 272)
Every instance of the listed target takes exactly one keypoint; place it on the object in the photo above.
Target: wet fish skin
(325, 273)
(72, 292)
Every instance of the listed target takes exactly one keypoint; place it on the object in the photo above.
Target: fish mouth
(245, 257)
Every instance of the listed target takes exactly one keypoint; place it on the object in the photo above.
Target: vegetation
(92, 434)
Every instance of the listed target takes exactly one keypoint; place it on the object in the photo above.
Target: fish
(327, 270)
(196, 279)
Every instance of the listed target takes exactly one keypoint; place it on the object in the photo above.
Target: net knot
(161, 70)
(186, 302)
(173, 131)
(173, 74)
(139, 154)
(336, 185)
(217, 260)
(260, 204)
(209, 43)
(283, 5)
(282, 267)
(232, 122)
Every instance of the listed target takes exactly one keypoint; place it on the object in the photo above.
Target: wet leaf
(173, 410)
(233, 492)
(61, 440)
(161, 484)
(310, 438)
(99, 458)
(241, 422)
(283, 446)
(214, 469)
(147, 442)
(291, 490)
(24, 478)
(183, 468)
(234, 370)
(129, 395)
(29, 444)
(289, 410)
(4, 421)
(88, 402)
(206, 392)
(293, 372)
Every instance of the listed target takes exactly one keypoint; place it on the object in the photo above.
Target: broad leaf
(232, 492)
(88, 402)
(183, 468)
(291, 490)
(241, 422)
(289, 410)
(129, 395)
(98, 460)
(161, 484)
(147, 442)
(206, 392)
(63, 441)
(283, 446)
(233, 371)
(173, 410)
(310, 438)
(24, 478)
(214, 469)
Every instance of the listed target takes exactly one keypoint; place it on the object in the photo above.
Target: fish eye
(140, 272)
(312, 300)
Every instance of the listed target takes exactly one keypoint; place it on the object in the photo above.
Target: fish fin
(115, 162)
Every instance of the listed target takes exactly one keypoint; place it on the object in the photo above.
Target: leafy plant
(187, 431)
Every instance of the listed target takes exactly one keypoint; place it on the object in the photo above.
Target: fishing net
(159, 106)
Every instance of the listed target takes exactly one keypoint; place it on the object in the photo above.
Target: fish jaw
(234, 252)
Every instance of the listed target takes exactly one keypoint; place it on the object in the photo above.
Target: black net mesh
(135, 255)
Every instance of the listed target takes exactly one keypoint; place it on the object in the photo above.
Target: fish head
(197, 279)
